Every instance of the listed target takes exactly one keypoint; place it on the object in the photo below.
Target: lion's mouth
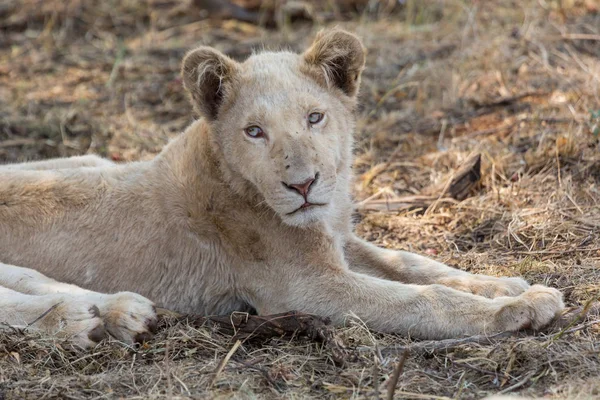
(307, 205)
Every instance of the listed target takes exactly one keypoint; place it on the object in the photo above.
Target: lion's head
(283, 121)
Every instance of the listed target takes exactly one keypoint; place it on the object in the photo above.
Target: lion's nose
(302, 188)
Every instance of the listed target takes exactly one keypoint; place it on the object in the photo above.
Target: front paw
(487, 286)
(535, 308)
(128, 317)
(69, 318)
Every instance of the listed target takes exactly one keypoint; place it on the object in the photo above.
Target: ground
(515, 81)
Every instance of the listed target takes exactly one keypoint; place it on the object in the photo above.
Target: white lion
(248, 209)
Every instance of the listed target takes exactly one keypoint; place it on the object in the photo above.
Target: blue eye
(254, 131)
(315, 118)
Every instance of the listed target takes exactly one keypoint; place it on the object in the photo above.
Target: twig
(263, 372)
(411, 395)
(506, 101)
(583, 221)
(437, 345)
(115, 68)
(224, 361)
(394, 379)
(168, 371)
(556, 251)
(474, 368)
(580, 36)
(460, 385)
(401, 203)
(549, 120)
(489, 131)
(48, 311)
(18, 142)
(581, 327)
(580, 316)
(376, 361)
(519, 384)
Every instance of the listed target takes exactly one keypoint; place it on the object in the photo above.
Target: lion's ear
(336, 58)
(206, 72)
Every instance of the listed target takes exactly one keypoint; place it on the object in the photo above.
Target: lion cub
(249, 209)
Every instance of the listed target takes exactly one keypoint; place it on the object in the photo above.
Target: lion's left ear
(336, 58)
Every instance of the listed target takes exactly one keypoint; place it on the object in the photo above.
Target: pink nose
(302, 188)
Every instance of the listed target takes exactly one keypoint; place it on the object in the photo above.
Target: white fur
(209, 227)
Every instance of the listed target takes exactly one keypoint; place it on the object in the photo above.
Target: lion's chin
(306, 215)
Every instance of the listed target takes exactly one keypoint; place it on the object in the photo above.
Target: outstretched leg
(426, 312)
(407, 267)
(60, 315)
(127, 316)
(89, 160)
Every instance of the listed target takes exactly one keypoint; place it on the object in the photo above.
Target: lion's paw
(487, 286)
(535, 308)
(128, 317)
(70, 318)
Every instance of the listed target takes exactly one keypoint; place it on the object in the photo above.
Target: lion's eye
(254, 131)
(315, 118)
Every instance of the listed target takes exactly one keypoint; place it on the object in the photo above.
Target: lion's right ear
(206, 73)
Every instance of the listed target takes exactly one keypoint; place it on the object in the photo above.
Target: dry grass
(514, 81)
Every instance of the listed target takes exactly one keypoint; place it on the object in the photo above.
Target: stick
(458, 188)
(244, 326)
(437, 345)
(568, 319)
(48, 311)
(580, 36)
(396, 375)
(18, 142)
(224, 361)
(518, 384)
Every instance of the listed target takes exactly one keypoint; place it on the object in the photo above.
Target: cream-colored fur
(213, 224)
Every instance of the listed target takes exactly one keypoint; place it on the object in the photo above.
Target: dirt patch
(517, 82)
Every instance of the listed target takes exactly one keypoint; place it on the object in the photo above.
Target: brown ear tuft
(205, 73)
(338, 58)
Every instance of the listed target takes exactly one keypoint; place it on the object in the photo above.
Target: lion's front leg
(66, 317)
(407, 267)
(127, 316)
(420, 311)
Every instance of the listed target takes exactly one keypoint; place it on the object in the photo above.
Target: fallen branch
(260, 328)
(459, 187)
(244, 326)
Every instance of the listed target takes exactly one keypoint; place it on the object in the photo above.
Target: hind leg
(89, 160)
